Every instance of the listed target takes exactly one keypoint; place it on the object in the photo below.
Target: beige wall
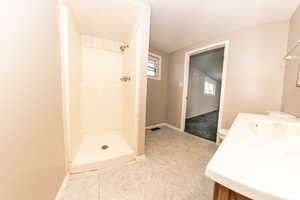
(254, 76)
(157, 94)
(291, 94)
(75, 66)
(31, 136)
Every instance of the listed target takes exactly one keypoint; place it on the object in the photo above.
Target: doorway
(204, 85)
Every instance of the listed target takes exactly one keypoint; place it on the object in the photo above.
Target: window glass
(153, 66)
(209, 87)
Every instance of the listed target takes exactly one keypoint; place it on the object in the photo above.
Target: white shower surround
(102, 106)
(123, 140)
(102, 93)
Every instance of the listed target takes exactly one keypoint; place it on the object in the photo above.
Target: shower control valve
(125, 78)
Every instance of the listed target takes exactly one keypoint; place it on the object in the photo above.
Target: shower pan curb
(80, 168)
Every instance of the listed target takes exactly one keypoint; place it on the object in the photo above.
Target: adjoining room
(204, 91)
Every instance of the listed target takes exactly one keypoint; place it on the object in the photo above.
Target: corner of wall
(157, 93)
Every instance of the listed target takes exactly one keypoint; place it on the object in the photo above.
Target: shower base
(101, 150)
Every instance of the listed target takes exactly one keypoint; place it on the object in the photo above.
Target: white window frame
(211, 81)
(158, 77)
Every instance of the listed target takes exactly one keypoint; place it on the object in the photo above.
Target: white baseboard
(202, 113)
(163, 124)
(181, 131)
(62, 187)
(155, 125)
(172, 127)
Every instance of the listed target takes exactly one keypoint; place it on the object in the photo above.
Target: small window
(209, 87)
(153, 66)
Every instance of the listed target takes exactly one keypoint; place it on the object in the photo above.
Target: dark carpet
(204, 126)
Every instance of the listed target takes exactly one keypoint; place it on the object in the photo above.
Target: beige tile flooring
(173, 170)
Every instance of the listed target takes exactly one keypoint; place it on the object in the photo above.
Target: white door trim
(64, 42)
(188, 54)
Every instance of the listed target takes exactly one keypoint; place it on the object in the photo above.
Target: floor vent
(155, 129)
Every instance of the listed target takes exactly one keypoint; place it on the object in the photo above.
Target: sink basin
(259, 158)
(274, 130)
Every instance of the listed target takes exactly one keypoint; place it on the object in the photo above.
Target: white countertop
(260, 158)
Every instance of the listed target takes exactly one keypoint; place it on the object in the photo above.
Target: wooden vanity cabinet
(223, 193)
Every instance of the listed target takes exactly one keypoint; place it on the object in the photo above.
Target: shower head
(123, 47)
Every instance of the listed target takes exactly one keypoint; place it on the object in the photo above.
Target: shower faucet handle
(125, 78)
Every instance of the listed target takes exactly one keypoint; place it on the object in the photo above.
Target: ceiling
(178, 23)
(109, 19)
(210, 63)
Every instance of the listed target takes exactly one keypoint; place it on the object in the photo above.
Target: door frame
(188, 54)
(64, 50)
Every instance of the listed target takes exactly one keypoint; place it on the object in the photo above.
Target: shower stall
(104, 50)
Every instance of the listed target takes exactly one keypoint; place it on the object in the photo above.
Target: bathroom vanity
(259, 159)
(223, 193)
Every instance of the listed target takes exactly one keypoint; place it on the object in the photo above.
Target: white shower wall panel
(102, 92)
(101, 43)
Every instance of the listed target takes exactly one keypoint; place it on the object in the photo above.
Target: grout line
(98, 182)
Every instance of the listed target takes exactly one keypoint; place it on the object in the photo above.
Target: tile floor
(173, 170)
(205, 126)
